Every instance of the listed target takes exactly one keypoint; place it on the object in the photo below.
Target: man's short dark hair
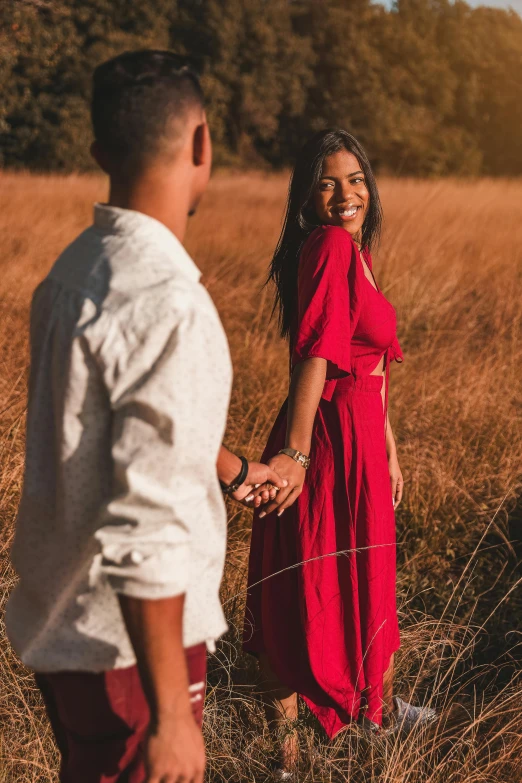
(140, 102)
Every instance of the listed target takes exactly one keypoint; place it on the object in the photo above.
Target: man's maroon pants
(100, 720)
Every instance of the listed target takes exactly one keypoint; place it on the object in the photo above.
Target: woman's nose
(345, 192)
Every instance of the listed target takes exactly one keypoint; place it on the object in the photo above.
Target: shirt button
(136, 558)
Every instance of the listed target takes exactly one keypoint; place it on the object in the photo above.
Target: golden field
(451, 263)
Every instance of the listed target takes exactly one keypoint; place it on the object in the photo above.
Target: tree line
(430, 87)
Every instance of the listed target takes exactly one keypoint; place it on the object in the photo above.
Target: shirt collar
(116, 220)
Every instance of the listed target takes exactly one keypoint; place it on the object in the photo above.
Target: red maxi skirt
(321, 598)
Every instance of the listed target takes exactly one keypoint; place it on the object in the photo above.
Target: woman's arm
(306, 388)
(391, 448)
(396, 479)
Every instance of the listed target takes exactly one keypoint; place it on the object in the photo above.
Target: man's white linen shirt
(128, 396)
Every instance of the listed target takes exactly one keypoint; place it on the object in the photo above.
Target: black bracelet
(229, 489)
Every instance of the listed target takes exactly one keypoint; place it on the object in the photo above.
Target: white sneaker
(407, 717)
(282, 774)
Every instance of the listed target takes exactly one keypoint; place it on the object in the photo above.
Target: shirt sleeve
(324, 329)
(146, 528)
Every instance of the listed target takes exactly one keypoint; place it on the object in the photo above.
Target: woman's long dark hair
(301, 218)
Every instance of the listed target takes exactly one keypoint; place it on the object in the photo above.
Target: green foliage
(431, 87)
(48, 50)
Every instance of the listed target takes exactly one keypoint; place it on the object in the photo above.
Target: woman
(327, 628)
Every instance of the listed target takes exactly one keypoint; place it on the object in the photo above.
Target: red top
(341, 317)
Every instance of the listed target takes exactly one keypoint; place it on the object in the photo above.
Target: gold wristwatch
(298, 456)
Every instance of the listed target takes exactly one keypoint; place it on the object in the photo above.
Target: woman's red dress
(321, 598)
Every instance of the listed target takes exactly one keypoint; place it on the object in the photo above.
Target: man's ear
(201, 145)
(100, 157)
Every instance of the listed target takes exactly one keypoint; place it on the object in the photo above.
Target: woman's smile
(348, 213)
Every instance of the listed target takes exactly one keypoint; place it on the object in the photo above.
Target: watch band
(297, 456)
(229, 489)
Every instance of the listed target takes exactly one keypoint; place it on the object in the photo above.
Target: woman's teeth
(348, 212)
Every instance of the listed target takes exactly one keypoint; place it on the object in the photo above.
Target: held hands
(294, 475)
(276, 485)
(261, 485)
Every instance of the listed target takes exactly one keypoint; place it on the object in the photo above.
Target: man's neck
(155, 197)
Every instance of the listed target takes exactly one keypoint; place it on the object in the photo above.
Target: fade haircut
(140, 102)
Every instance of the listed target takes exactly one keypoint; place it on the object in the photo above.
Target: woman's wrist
(299, 444)
(298, 456)
(391, 451)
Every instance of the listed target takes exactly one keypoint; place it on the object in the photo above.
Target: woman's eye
(357, 180)
(326, 185)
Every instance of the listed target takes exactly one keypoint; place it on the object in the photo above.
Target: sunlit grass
(451, 262)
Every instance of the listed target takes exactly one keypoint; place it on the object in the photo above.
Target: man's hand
(175, 752)
(261, 485)
(294, 474)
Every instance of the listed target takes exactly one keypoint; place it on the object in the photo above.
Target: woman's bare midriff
(379, 370)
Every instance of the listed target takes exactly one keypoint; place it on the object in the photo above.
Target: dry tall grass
(451, 262)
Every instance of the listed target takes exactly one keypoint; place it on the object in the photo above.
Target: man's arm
(175, 745)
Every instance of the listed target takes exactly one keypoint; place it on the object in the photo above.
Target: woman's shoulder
(330, 240)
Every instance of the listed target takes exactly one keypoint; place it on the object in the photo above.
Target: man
(120, 538)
